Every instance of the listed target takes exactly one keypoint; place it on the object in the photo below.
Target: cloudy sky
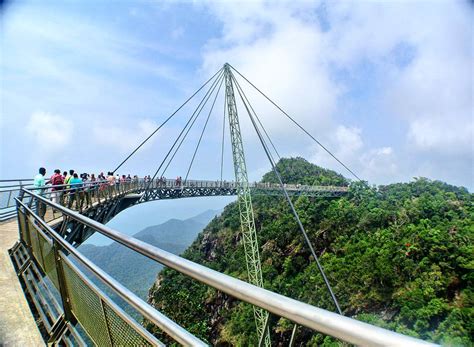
(387, 86)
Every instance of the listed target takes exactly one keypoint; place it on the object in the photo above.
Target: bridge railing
(85, 195)
(9, 190)
(173, 183)
(78, 197)
(55, 257)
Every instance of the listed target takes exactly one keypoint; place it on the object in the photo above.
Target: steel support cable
(298, 125)
(208, 96)
(256, 116)
(192, 124)
(223, 136)
(203, 130)
(182, 131)
(185, 129)
(265, 131)
(246, 104)
(166, 121)
(300, 225)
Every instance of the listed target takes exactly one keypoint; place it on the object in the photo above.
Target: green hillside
(399, 256)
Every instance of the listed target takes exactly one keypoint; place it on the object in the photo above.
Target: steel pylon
(247, 221)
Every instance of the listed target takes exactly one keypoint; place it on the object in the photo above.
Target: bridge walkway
(17, 325)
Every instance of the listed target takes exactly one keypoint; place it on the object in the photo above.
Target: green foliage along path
(398, 256)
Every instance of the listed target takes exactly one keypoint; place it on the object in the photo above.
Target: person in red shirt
(56, 180)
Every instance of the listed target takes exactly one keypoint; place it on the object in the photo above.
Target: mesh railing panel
(86, 307)
(121, 333)
(22, 224)
(49, 265)
(104, 322)
(35, 247)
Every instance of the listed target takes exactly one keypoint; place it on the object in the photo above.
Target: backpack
(57, 180)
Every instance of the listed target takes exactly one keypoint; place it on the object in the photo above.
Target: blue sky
(386, 85)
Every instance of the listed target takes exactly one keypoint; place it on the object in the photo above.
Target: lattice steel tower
(247, 221)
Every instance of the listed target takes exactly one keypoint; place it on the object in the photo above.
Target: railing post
(9, 198)
(293, 335)
(99, 191)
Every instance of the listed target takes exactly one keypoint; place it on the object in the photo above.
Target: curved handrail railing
(9, 192)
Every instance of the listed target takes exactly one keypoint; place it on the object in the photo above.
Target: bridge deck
(17, 325)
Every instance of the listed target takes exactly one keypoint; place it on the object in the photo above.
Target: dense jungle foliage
(399, 256)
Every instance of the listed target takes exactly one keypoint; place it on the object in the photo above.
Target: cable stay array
(225, 79)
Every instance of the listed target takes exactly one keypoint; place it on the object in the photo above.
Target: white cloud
(434, 93)
(123, 139)
(51, 133)
(420, 53)
(442, 135)
(346, 145)
(278, 53)
(349, 141)
(372, 164)
(379, 162)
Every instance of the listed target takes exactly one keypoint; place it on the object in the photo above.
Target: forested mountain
(136, 271)
(399, 256)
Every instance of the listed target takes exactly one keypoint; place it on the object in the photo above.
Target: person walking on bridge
(69, 177)
(63, 193)
(56, 180)
(39, 183)
(87, 191)
(102, 186)
(111, 181)
(76, 184)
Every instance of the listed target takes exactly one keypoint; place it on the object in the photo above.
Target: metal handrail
(164, 323)
(192, 184)
(16, 179)
(7, 210)
(344, 328)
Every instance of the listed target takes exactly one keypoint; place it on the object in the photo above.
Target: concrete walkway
(17, 325)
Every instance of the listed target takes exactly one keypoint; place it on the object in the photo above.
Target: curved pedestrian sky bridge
(59, 282)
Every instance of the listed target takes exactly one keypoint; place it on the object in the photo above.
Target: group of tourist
(69, 183)
(160, 182)
(73, 185)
